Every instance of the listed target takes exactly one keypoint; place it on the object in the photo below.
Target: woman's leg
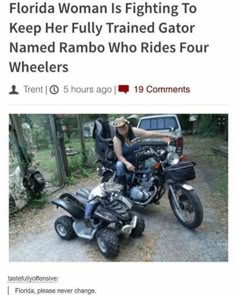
(121, 172)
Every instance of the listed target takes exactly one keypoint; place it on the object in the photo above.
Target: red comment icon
(123, 88)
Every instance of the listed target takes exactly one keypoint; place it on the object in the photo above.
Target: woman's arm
(119, 154)
(147, 134)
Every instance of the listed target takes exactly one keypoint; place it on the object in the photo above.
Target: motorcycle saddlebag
(181, 172)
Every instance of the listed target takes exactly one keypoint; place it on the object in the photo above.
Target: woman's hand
(166, 138)
(130, 167)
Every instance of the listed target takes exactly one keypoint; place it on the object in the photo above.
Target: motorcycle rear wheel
(190, 212)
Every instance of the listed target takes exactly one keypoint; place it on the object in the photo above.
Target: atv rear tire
(64, 227)
(108, 242)
(139, 229)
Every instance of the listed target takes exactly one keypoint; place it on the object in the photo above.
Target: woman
(124, 149)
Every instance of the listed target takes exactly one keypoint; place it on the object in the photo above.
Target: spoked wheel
(108, 242)
(64, 227)
(189, 210)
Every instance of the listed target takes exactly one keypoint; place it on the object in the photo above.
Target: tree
(81, 138)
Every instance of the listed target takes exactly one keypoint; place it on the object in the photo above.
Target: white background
(211, 80)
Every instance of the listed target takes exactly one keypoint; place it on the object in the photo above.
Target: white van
(164, 123)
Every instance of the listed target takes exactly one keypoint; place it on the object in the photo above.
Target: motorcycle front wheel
(188, 209)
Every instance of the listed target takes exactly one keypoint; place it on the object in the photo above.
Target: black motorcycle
(111, 216)
(157, 165)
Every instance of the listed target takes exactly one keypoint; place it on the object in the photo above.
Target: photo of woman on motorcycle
(124, 149)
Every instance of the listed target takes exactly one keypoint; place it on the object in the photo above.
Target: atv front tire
(108, 242)
(139, 229)
(64, 227)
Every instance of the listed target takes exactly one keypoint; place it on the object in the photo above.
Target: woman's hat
(119, 122)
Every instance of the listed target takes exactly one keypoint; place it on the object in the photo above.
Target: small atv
(111, 217)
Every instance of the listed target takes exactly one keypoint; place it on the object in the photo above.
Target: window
(158, 123)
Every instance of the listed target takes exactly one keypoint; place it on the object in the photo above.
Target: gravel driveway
(32, 235)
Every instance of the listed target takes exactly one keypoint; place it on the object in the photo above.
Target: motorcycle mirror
(172, 129)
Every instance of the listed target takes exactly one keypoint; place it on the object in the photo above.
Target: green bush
(210, 125)
(71, 180)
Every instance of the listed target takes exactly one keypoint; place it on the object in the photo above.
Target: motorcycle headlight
(173, 158)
